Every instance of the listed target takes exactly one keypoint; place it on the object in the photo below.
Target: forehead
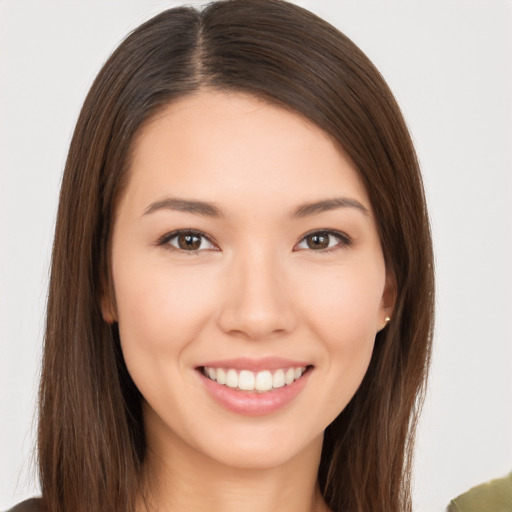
(231, 147)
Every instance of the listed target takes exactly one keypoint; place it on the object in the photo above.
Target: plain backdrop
(449, 62)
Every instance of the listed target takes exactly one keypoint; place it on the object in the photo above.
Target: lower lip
(252, 403)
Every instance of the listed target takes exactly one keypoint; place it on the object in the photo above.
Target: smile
(254, 387)
(260, 382)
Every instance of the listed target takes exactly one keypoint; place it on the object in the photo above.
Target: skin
(254, 288)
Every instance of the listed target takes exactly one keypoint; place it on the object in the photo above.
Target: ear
(107, 302)
(387, 304)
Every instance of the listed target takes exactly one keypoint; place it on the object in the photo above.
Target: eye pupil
(318, 241)
(189, 242)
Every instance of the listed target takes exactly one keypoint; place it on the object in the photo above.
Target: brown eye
(318, 241)
(324, 241)
(189, 241)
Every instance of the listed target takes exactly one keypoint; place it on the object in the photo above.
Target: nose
(257, 300)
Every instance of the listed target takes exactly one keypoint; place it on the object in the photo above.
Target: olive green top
(493, 496)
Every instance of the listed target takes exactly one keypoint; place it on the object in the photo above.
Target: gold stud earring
(386, 322)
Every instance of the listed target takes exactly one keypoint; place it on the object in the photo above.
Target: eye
(187, 240)
(325, 241)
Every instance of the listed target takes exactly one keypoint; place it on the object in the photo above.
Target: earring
(386, 322)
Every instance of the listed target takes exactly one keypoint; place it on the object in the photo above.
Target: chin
(261, 454)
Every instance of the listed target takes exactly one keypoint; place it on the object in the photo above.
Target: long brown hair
(91, 443)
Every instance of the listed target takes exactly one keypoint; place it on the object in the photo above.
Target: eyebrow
(329, 204)
(210, 210)
(185, 205)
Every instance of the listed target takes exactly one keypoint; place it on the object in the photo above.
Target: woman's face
(244, 255)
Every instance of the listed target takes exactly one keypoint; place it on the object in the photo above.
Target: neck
(180, 478)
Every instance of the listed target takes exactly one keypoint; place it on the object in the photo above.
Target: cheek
(344, 306)
(342, 311)
(160, 310)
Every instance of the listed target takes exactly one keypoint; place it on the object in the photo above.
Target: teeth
(263, 381)
(221, 376)
(246, 380)
(289, 377)
(232, 379)
(254, 381)
(278, 379)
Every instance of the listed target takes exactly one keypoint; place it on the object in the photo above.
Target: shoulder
(32, 505)
(495, 495)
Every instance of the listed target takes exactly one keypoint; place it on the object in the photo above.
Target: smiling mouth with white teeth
(259, 382)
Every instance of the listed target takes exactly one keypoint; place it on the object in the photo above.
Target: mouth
(262, 381)
(254, 387)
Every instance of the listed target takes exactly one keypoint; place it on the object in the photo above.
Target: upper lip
(247, 363)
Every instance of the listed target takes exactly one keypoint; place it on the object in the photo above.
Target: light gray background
(449, 64)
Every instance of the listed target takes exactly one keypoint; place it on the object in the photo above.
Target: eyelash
(344, 240)
(164, 241)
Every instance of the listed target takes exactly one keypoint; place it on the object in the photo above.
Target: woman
(241, 297)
